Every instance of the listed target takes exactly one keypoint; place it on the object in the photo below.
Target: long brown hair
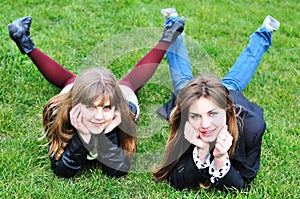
(204, 86)
(88, 86)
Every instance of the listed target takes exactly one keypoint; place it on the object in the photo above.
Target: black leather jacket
(246, 160)
(110, 154)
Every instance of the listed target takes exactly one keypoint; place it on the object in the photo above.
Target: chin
(209, 139)
(96, 131)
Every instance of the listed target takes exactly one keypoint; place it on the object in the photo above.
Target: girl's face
(96, 117)
(206, 118)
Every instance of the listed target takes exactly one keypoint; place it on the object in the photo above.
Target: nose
(98, 113)
(205, 122)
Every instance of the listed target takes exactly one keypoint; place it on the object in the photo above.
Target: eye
(90, 107)
(195, 116)
(107, 108)
(213, 114)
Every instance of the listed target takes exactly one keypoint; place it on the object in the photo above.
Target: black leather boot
(171, 33)
(19, 32)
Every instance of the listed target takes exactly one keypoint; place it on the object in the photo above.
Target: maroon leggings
(135, 79)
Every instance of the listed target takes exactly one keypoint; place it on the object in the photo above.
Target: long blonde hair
(204, 86)
(88, 86)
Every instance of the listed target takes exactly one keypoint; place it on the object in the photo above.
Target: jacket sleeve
(245, 163)
(72, 160)
(114, 161)
(186, 174)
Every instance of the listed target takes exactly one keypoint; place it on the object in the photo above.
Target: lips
(97, 124)
(207, 133)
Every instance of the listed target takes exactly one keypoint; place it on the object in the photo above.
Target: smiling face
(98, 115)
(206, 118)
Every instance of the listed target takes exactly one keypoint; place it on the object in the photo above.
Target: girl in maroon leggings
(94, 116)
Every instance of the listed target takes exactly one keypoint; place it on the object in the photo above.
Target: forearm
(112, 156)
(224, 176)
(72, 160)
(194, 170)
(232, 180)
(187, 175)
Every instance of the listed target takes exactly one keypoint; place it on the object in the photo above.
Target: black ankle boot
(19, 32)
(171, 33)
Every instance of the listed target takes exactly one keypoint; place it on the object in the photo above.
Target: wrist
(199, 163)
(220, 161)
(219, 172)
(202, 154)
(85, 137)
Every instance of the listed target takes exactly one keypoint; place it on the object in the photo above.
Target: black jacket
(110, 154)
(245, 162)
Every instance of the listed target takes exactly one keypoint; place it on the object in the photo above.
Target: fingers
(224, 141)
(75, 115)
(117, 117)
(193, 136)
(114, 123)
(189, 132)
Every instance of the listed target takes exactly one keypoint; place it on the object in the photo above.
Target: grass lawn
(116, 34)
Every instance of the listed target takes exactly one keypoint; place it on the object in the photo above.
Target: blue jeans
(238, 76)
(178, 59)
(180, 67)
(243, 69)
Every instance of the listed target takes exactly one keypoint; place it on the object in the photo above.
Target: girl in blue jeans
(216, 133)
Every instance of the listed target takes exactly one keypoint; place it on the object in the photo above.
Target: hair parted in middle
(204, 86)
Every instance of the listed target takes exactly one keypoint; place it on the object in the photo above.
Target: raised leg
(245, 66)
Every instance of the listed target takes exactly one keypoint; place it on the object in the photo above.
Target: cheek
(219, 121)
(87, 114)
(194, 124)
(109, 115)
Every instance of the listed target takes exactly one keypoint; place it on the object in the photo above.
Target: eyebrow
(214, 109)
(103, 104)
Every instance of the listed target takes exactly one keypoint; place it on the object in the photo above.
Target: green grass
(116, 34)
